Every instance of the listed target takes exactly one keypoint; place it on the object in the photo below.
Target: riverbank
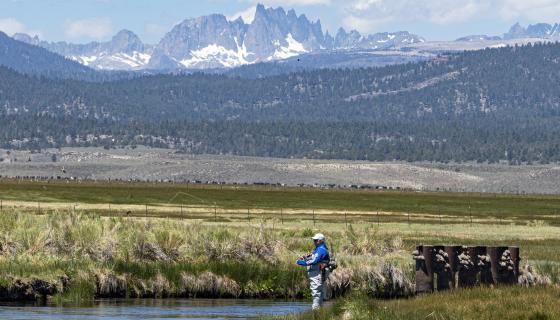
(77, 256)
(480, 303)
(73, 256)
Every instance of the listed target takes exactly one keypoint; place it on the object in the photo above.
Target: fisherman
(317, 265)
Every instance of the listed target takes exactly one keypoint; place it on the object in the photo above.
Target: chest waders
(318, 275)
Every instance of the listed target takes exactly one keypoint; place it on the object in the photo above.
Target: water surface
(154, 309)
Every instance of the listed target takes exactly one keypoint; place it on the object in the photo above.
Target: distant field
(166, 199)
(151, 164)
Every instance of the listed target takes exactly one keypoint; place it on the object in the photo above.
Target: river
(154, 309)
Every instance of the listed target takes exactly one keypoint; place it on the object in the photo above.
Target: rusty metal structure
(440, 268)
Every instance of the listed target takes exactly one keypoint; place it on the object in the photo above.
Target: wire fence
(307, 217)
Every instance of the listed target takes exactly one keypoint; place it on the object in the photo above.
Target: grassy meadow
(72, 242)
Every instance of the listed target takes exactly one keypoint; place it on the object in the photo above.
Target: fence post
(39, 207)
(313, 217)
(378, 222)
(409, 218)
(282, 215)
(146, 210)
(470, 213)
(248, 214)
(215, 214)
(346, 218)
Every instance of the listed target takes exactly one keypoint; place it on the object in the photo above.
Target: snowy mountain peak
(215, 41)
(539, 30)
(125, 51)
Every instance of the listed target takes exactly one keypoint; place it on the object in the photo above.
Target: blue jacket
(321, 253)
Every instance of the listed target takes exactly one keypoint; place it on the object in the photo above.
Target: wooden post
(39, 207)
(248, 215)
(378, 222)
(282, 215)
(346, 218)
(146, 210)
(470, 213)
(215, 214)
(313, 217)
(409, 218)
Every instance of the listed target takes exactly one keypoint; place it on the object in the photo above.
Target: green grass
(90, 242)
(469, 304)
(241, 197)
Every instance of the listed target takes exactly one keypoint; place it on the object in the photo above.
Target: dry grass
(208, 285)
(232, 256)
(477, 304)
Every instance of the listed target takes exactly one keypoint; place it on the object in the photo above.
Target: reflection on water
(154, 309)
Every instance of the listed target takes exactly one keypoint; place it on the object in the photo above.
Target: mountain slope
(490, 105)
(30, 59)
(125, 51)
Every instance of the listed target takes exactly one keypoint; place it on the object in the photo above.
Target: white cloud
(367, 15)
(93, 28)
(535, 10)
(10, 26)
(248, 15)
(370, 15)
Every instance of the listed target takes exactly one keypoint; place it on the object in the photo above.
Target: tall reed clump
(385, 280)
(132, 257)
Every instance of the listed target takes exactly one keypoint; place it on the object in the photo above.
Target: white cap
(319, 236)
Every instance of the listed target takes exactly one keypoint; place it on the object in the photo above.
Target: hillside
(33, 60)
(490, 105)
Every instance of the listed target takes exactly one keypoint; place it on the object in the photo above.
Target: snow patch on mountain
(215, 54)
(85, 60)
(136, 60)
(294, 48)
(117, 61)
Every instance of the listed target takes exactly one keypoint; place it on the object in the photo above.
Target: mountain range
(485, 105)
(539, 30)
(125, 51)
(30, 59)
(273, 40)
(214, 41)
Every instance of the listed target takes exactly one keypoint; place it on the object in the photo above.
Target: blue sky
(87, 20)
